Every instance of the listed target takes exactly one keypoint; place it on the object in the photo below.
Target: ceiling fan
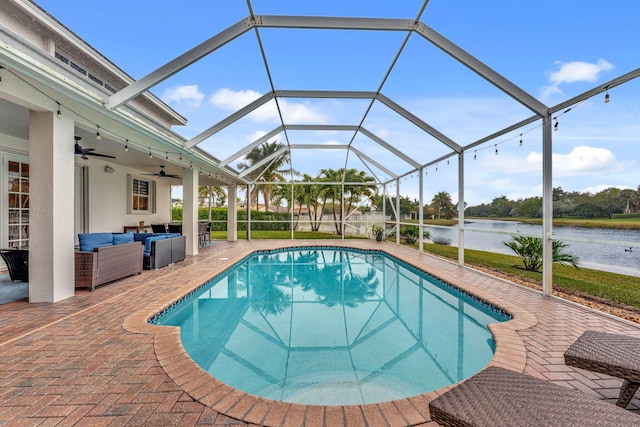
(163, 174)
(84, 152)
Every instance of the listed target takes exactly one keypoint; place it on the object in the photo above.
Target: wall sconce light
(109, 169)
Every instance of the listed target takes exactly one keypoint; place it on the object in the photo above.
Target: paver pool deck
(93, 360)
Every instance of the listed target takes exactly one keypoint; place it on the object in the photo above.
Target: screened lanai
(423, 96)
(504, 99)
(368, 51)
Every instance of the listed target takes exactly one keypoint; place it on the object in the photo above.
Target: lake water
(616, 251)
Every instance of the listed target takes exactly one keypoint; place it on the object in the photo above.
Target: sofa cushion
(141, 237)
(89, 241)
(122, 238)
(149, 240)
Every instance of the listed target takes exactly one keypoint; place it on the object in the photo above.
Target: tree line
(318, 195)
(603, 204)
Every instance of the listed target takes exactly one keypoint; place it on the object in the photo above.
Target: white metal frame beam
(263, 161)
(389, 147)
(481, 69)
(364, 157)
(334, 23)
(179, 63)
(229, 120)
(420, 123)
(251, 146)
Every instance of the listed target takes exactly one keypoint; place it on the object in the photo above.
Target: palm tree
(353, 193)
(270, 173)
(442, 205)
(210, 192)
(309, 195)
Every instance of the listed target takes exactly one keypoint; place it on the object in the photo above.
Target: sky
(553, 50)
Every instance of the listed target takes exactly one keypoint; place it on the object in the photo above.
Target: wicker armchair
(17, 261)
(611, 354)
(500, 397)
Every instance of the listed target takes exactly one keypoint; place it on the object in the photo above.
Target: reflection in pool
(333, 326)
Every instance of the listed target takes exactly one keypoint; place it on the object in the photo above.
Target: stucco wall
(108, 198)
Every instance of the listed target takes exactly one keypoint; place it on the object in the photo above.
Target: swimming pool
(333, 326)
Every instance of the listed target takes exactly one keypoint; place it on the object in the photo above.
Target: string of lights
(520, 137)
(158, 153)
(100, 131)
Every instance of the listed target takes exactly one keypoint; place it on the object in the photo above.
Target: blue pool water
(333, 326)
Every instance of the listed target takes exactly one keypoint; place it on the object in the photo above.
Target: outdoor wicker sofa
(612, 354)
(99, 261)
(163, 249)
(500, 397)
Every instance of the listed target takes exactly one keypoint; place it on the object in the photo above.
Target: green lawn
(257, 234)
(614, 287)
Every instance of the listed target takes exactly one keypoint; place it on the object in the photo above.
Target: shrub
(411, 233)
(529, 249)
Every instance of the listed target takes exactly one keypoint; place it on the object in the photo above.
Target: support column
(420, 210)
(232, 213)
(547, 208)
(461, 209)
(190, 209)
(249, 189)
(51, 204)
(398, 210)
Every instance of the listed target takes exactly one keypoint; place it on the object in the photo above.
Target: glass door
(17, 204)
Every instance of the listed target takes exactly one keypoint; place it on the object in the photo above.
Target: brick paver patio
(93, 360)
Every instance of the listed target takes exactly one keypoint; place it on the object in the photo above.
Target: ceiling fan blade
(84, 152)
(99, 155)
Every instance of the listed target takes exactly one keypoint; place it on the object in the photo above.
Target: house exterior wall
(49, 72)
(108, 198)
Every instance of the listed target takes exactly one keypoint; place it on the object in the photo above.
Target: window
(18, 204)
(141, 195)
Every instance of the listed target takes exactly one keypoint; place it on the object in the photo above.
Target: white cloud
(580, 161)
(188, 95)
(293, 112)
(584, 160)
(572, 72)
(577, 71)
(301, 113)
(255, 135)
(233, 100)
(521, 176)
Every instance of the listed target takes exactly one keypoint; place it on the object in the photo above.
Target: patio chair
(500, 397)
(175, 228)
(204, 233)
(612, 354)
(17, 261)
(159, 228)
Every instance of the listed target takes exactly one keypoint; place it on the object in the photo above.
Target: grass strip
(617, 288)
